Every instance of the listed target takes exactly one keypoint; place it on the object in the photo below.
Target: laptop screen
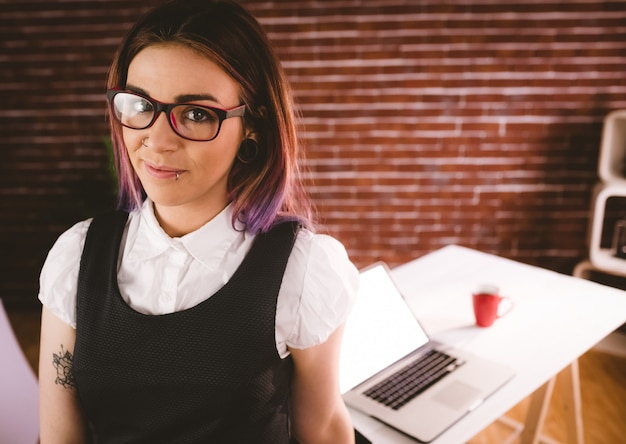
(380, 330)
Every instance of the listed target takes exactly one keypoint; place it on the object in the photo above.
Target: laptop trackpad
(457, 395)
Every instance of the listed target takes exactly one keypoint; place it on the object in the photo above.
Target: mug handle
(509, 308)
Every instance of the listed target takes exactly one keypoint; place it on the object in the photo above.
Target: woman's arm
(61, 419)
(319, 413)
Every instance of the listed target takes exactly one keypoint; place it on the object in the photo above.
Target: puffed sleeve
(59, 274)
(328, 289)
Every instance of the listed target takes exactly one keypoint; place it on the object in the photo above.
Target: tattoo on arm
(62, 362)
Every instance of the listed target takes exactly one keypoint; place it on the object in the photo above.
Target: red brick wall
(426, 122)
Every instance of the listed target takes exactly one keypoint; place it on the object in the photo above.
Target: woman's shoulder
(68, 245)
(323, 283)
(59, 274)
(322, 253)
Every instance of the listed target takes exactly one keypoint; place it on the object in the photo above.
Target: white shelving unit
(612, 172)
(603, 257)
(612, 160)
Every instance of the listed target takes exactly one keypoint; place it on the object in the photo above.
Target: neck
(178, 221)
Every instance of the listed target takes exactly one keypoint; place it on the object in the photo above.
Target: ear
(249, 134)
(250, 120)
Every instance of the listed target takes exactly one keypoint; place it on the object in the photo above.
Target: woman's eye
(200, 115)
(143, 106)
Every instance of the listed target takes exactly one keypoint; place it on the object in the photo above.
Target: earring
(248, 151)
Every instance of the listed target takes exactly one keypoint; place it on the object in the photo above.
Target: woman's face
(176, 172)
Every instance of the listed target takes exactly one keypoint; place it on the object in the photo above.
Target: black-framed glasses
(190, 121)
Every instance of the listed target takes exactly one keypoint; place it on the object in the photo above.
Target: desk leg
(573, 404)
(539, 403)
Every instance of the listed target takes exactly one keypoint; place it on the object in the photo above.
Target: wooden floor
(603, 391)
(603, 386)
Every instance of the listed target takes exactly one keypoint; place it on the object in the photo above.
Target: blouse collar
(208, 244)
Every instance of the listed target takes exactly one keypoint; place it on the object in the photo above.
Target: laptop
(392, 371)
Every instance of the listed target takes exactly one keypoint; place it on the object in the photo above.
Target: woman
(208, 310)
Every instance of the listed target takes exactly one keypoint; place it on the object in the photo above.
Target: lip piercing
(177, 175)
(143, 142)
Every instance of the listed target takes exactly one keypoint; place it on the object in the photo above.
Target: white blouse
(158, 274)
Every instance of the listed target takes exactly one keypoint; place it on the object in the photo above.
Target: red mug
(486, 303)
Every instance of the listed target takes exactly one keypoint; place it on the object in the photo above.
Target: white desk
(556, 319)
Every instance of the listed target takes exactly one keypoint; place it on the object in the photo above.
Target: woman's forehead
(168, 71)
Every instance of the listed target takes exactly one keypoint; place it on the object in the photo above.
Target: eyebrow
(183, 98)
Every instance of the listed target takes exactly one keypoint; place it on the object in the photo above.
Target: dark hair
(267, 189)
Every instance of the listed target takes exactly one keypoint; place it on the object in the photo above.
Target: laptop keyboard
(411, 380)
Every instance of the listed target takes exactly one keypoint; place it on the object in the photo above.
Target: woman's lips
(162, 172)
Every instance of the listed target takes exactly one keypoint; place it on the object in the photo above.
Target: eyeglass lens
(187, 120)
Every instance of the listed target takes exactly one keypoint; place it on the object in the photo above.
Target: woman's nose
(162, 136)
